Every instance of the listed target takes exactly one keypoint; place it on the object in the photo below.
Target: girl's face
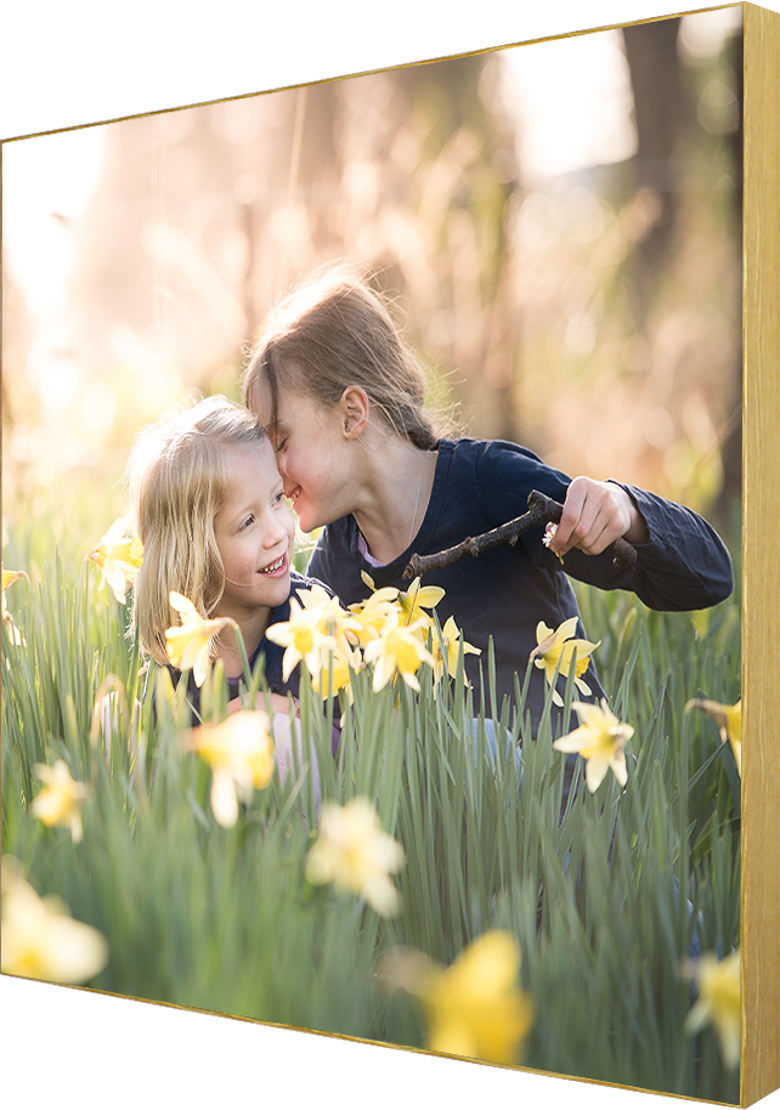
(312, 454)
(254, 531)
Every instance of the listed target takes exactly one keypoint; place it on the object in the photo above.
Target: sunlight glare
(572, 98)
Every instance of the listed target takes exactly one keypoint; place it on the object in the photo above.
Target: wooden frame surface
(761, 513)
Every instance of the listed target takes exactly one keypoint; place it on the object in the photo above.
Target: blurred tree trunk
(455, 100)
(659, 110)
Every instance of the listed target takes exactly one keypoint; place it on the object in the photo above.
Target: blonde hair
(177, 476)
(332, 332)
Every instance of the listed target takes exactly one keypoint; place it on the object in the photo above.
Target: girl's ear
(354, 405)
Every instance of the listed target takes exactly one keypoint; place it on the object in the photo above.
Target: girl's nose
(274, 530)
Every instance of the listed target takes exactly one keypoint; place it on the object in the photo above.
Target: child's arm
(682, 563)
(595, 514)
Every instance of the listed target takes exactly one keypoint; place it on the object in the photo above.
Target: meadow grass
(607, 894)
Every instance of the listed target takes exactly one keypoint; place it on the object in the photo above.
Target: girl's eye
(248, 521)
(279, 497)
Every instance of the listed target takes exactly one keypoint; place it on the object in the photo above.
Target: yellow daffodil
(302, 638)
(320, 633)
(397, 650)
(318, 628)
(40, 938)
(600, 740)
(557, 651)
(718, 1002)
(412, 607)
(189, 644)
(240, 753)
(417, 600)
(9, 577)
(62, 798)
(335, 621)
(729, 718)
(446, 650)
(119, 554)
(354, 853)
(334, 674)
(473, 1007)
(372, 614)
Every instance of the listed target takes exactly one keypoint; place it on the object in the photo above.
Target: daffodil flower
(239, 752)
(321, 634)
(415, 602)
(302, 639)
(333, 675)
(9, 577)
(412, 605)
(474, 1007)
(119, 554)
(718, 1002)
(189, 644)
(557, 651)
(354, 853)
(447, 649)
(62, 798)
(600, 740)
(397, 650)
(40, 938)
(729, 719)
(317, 630)
(372, 614)
(335, 622)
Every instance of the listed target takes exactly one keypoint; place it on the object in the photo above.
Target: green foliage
(607, 893)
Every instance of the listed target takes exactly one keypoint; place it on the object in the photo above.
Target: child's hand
(595, 514)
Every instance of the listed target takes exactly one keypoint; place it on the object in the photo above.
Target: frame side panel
(761, 517)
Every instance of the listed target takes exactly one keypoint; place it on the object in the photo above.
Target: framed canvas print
(331, 703)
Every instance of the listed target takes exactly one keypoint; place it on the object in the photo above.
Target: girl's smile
(254, 531)
(275, 569)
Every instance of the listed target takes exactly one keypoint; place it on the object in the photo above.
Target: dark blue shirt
(504, 593)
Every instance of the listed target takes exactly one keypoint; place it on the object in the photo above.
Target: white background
(72, 62)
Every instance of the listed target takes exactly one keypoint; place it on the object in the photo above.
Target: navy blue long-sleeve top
(504, 593)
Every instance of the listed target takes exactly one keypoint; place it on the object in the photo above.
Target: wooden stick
(541, 510)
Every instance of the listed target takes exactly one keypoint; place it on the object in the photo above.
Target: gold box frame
(761, 511)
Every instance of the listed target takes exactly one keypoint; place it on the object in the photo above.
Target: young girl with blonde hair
(343, 399)
(208, 504)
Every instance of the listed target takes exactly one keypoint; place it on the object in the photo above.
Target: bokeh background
(557, 223)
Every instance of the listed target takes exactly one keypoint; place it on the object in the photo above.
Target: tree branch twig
(541, 510)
